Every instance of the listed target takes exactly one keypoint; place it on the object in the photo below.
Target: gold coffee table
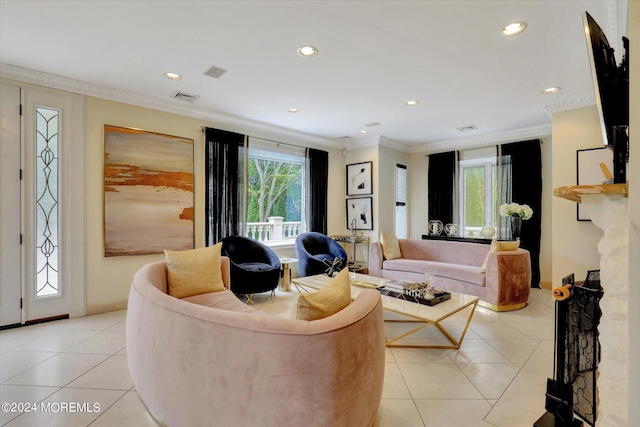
(423, 315)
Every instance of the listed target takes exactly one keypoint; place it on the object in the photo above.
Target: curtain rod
(264, 139)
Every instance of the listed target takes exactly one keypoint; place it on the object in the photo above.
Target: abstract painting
(359, 179)
(359, 214)
(148, 192)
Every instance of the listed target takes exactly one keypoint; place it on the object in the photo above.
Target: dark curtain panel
(224, 166)
(441, 187)
(524, 160)
(318, 173)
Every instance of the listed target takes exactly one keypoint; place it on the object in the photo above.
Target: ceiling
(373, 57)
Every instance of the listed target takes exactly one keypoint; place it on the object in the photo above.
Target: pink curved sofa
(456, 266)
(228, 364)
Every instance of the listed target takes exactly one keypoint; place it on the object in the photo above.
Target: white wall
(389, 158)
(574, 243)
(418, 177)
(108, 279)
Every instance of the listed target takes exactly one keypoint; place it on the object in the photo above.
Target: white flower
(514, 209)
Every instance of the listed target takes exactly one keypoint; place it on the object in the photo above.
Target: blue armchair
(255, 267)
(313, 248)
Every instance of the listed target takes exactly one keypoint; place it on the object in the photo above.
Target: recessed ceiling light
(513, 29)
(412, 103)
(363, 131)
(293, 110)
(173, 76)
(551, 90)
(307, 51)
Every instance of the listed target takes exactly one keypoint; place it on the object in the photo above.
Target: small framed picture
(359, 179)
(590, 172)
(359, 214)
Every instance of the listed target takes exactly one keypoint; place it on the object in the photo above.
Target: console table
(355, 265)
(486, 241)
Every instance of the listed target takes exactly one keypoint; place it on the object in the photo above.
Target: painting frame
(358, 179)
(588, 172)
(361, 210)
(148, 193)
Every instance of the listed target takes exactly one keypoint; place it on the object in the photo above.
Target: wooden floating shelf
(574, 193)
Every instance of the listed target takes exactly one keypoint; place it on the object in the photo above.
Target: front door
(41, 203)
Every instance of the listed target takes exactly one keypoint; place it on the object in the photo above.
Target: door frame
(71, 193)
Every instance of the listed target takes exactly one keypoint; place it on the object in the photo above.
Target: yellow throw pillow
(329, 300)
(194, 272)
(499, 246)
(390, 246)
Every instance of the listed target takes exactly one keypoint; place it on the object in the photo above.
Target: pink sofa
(456, 266)
(227, 364)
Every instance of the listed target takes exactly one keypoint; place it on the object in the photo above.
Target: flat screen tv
(611, 86)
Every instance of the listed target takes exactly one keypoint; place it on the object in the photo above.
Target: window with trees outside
(478, 195)
(275, 192)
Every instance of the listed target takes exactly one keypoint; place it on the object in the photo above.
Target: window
(478, 194)
(275, 191)
(401, 201)
(47, 121)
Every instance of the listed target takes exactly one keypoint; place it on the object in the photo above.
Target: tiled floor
(497, 378)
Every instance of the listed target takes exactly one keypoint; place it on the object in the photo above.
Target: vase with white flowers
(516, 213)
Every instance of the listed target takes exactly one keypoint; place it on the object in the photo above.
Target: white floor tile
(99, 322)
(398, 413)
(517, 351)
(424, 355)
(536, 330)
(105, 342)
(112, 374)
(476, 351)
(57, 341)
(58, 370)
(127, 411)
(453, 413)
(14, 362)
(394, 385)
(437, 381)
(21, 394)
(14, 338)
(86, 406)
(490, 379)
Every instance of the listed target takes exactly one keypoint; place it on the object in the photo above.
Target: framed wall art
(359, 179)
(359, 213)
(148, 192)
(589, 172)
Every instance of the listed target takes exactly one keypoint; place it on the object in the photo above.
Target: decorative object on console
(488, 231)
(360, 211)
(516, 213)
(148, 192)
(359, 179)
(332, 266)
(435, 227)
(451, 229)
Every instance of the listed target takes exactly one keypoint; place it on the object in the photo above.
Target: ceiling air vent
(185, 96)
(345, 137)
(215, 72)
(370, 125)
(467, 128)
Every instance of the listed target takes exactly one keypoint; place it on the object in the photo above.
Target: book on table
(400, 285)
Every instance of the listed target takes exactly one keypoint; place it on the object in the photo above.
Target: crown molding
(513, 135)
(396, 145)
(368, 141)
(569, 104)
(176, 107)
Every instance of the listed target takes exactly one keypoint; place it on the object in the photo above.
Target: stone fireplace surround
(609, 209)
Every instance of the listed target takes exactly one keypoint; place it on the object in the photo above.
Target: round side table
(285, 285)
